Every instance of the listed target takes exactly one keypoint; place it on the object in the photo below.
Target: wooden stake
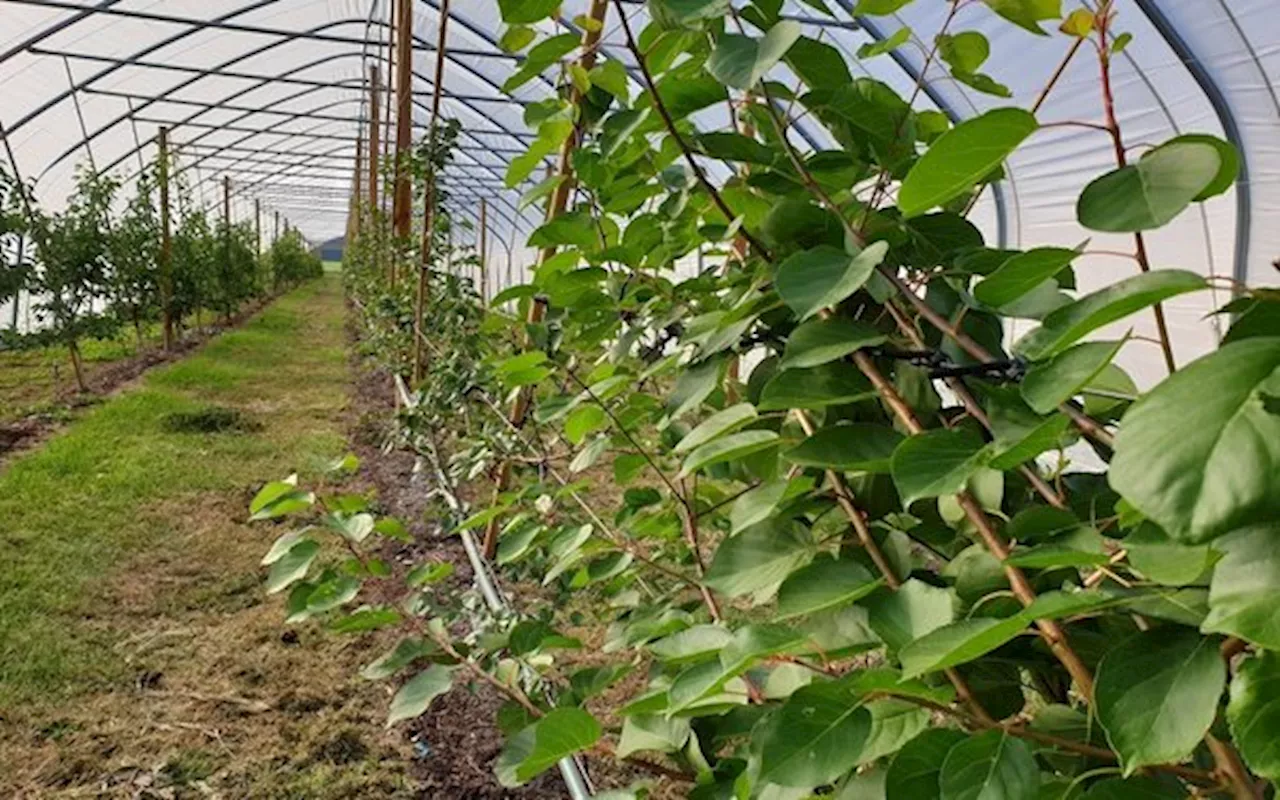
(375, 146)
(555, 207)
(484, 250)
(429, 210)
(166, 243)
(403, 200)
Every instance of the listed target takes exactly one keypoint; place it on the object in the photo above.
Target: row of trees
(815, 512)
(99, 265)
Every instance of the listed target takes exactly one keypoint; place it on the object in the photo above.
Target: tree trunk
(77, 366)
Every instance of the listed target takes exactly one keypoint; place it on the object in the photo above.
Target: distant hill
(332, 250)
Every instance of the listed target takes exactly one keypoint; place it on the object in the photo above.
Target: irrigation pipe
(575, 776)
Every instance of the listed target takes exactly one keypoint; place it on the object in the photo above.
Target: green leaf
(1164, 561)
(727, 448)
(818, 64)
(687, 12)
(936, 462)
(1157, 694)
(966, 640)
(523, 12)
(814, 738)
(815, 388)
(542, 56)
(740, 61)
(1228, 160)
(1079, 23)
(583, 421)
(965, 51)
(1027, 13)
(278, 499)
(517, 38)
(1190, 454)
(894, 722)
(416, 695)
(756, 505)
(759, 558)
(879, 8)
(718, 424)
(537, 748)
(860, 447)
(815, 279)
(283, 545)
(888, 44)
(989, 766)
(825, 583)
(819, 341)
(292, 566)
(729, 146)
(1254, 714)
(962, 157)
(691, 644)
(1242, 594)
(1150, 193)
(652, 732)
(1022, 273)
(1071, 323)
(911, 612)
(402, 655)
(574, 228)
(958, 643)
(612, 77)
(1049, 385)
(914, 772)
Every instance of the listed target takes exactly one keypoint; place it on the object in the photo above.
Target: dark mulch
(457, 741)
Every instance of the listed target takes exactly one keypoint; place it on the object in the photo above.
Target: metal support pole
(555, 207)
(75, 98)
(166, 242)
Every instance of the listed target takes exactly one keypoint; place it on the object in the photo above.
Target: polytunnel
(801, 398)
(274, 94)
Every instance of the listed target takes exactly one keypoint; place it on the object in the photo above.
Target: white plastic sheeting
(231, 77)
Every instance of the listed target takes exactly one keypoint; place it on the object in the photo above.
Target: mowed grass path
(97, 508)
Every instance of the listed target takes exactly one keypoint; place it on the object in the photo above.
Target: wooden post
(166, 242)
(484, 250)
(429, 211)
(403, 199)
(555, 207)
(257, 225)
(226, 235)
(357, 198)
(276, 237)
(375, 148)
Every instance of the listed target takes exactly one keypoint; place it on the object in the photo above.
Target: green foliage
(843, 541)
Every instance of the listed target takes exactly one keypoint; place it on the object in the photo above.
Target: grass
(118, 485)
(31, 380)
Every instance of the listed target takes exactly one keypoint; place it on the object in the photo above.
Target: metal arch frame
(1230, 128)
(235, 27)
(196, 27)
(997, 192)
(270, 130)
(213, 72)
(57, 27)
